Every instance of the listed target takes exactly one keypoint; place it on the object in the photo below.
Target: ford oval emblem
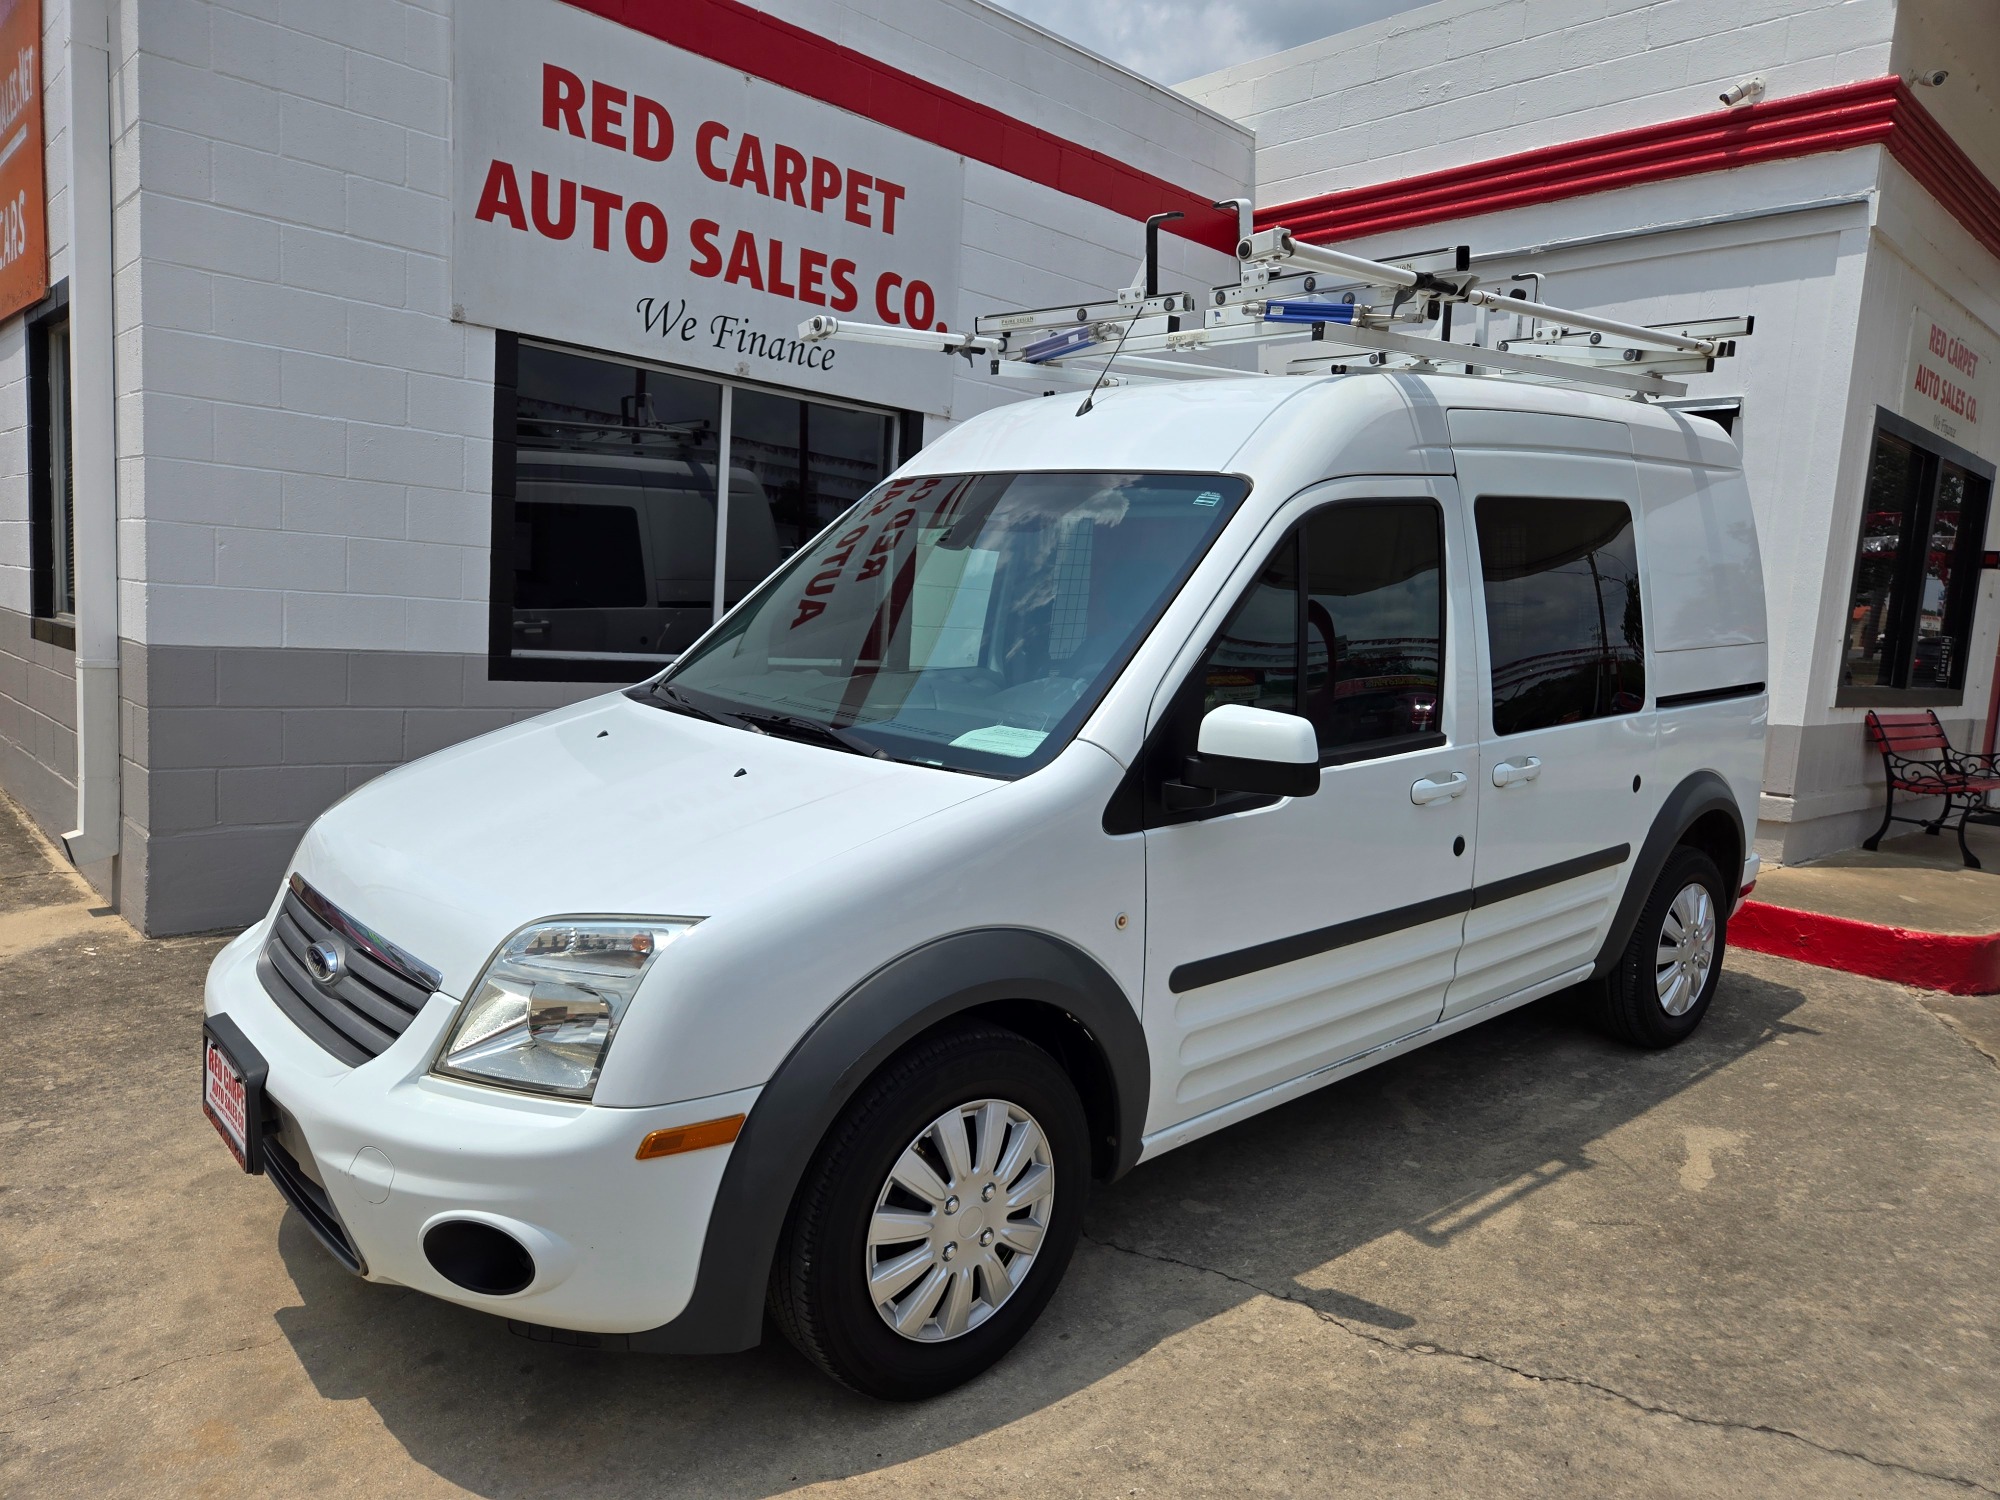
(323, 959)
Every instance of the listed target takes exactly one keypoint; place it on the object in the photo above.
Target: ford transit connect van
(1094, 783)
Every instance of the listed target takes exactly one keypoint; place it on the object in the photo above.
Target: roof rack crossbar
(1280, 295)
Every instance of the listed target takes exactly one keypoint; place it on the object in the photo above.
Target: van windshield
(966, 621)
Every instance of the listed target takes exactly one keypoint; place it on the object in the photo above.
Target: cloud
(1175, 40)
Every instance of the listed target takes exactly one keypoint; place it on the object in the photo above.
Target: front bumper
(616, 1241)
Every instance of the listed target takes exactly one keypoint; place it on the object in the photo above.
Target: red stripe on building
(735, 35)
(1877, 111)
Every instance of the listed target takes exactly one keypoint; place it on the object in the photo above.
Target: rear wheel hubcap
(1686, 949)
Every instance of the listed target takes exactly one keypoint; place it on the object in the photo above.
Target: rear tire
(1661, 986)
(964, 1274)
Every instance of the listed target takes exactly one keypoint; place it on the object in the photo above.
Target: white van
(1097, 781)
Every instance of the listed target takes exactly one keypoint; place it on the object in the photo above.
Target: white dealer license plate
(225, 1099)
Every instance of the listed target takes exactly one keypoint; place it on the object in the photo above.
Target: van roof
(1272, 428)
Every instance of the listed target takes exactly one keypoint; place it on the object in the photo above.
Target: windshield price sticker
(1002, 739)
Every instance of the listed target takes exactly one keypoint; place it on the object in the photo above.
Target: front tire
(1661, 986)
(937, 1217)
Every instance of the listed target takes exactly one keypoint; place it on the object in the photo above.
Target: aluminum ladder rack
(1308, 309)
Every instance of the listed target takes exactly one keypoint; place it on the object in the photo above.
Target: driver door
(1287, 935)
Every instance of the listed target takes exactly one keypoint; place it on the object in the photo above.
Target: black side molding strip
(1533, 880)
(1709, 695)
(1285, 950)
(1192, 976)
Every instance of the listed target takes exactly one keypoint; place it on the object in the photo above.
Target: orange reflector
(690, 1138)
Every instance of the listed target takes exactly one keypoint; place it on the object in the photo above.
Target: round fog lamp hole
(479, 1257)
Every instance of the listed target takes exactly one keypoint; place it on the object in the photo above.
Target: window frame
(1934, 452)
(1488, 702)
(47, 623)
(502, 663)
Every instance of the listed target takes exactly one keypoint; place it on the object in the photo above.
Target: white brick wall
(308, 463)
(1467, 80)
(293, 223)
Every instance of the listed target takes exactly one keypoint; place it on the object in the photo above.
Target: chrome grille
(373, 993)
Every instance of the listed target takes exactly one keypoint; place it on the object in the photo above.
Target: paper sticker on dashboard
(1002, 739)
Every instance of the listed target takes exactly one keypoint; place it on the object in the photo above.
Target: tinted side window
(1256, 658)
(1562, 610)
(1374, 621)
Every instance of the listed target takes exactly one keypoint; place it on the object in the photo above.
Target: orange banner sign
(24, 240)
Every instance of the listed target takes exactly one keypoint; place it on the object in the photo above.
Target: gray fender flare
(855, 1036)
(1699, 795)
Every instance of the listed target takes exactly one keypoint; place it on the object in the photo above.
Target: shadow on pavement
(1430, 1146)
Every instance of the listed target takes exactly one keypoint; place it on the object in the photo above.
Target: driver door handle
(1428, 791)
(1509, 771)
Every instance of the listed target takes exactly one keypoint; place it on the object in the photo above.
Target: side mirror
(1243, 749)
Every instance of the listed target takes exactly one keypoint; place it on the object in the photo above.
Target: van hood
(610, 807)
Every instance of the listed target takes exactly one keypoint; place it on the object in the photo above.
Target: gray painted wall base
(229, 753)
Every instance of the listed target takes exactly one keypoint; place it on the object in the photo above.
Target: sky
(1171, 41)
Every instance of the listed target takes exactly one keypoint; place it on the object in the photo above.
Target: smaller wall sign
(24, 241)
(1949, 379)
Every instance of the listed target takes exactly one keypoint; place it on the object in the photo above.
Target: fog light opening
(479, 1257)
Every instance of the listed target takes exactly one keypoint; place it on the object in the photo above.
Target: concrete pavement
(1525, 1261)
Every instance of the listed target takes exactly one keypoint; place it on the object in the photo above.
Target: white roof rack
(1320, 310)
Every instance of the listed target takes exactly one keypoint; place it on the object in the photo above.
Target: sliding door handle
(1510, 771)
(1428, 791)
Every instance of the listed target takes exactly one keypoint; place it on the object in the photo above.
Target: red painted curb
(1955, 964)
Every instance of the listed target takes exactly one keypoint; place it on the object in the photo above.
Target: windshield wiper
(674, 702)
(797, 727)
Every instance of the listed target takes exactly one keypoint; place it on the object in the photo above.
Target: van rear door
(1567, 740)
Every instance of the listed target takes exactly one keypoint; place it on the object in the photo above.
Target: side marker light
(690, 1138)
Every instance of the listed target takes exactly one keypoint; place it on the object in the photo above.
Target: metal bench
(1960, 777)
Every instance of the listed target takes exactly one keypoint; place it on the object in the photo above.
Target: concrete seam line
(1430, 1350)
(145, 1374)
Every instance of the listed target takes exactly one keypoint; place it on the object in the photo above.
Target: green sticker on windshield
(1001, 739)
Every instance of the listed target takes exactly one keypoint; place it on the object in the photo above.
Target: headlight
(542, 1016)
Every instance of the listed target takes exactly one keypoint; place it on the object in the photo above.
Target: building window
(1916, 570)
(51, 528)
(607, 485)
(1563, 613)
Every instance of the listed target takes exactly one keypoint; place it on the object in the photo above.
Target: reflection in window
(1367, 631)
(1374, 622)
(1915, 571)
(1255, 661)
(52, 528)
(1562, 610)
(968, 621)
(810, 462)
(615, 479)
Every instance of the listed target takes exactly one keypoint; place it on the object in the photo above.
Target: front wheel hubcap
(1686, 949)
(960, 1220)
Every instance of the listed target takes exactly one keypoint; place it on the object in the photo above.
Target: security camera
(1931, 79)
(1749, 91)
